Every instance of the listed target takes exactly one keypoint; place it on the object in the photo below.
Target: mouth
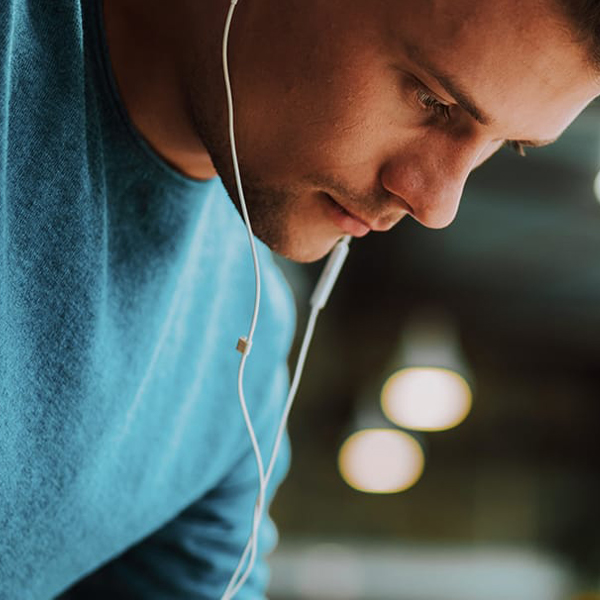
(348, 222)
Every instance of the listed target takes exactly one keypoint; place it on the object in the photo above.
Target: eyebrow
(462, 98)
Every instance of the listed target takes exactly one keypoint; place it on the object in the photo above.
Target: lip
(348, 222)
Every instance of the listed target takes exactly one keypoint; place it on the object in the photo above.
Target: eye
(431, 103)
(518, 147)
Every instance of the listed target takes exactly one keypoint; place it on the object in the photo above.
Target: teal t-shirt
(124, 287)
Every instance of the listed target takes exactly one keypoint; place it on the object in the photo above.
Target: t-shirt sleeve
(194, 555)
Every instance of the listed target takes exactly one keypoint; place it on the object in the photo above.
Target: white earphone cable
(244, 344)
(252, 542)
(318, 300)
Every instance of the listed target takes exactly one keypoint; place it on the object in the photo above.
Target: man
(125, 469)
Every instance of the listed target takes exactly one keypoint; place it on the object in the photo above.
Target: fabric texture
(124, 287)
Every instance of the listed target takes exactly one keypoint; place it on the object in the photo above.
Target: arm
(194, 555)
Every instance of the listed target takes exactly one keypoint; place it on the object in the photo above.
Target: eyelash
(439, 109)
(431, 103)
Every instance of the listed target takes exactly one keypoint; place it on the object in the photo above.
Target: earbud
(330, 273)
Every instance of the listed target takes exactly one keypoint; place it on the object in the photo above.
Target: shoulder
(40, 33)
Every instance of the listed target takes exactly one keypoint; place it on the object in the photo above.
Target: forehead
(516, 59)
(470, 22)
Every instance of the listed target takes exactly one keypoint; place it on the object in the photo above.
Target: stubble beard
(268, 207)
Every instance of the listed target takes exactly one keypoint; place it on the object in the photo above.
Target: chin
(300, 235)
(305, 250)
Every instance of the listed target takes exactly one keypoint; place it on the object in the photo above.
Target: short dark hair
(584, 18)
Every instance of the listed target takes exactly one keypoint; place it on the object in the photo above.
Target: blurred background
(444, 437)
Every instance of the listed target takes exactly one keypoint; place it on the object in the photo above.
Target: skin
(338, 103)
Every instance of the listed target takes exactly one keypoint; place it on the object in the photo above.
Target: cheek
(326, 123)
(339, 108)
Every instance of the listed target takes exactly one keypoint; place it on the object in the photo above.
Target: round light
(597, 186)
(381, 461)
(426, 399)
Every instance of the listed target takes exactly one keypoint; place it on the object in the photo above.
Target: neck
(149, 42)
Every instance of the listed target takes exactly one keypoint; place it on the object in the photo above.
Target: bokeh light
(381, 461)
(426, 399)
(330, 572)
(597, 186)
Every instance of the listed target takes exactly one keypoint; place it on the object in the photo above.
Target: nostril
(405, 206)
(399, 202)
(399, 188)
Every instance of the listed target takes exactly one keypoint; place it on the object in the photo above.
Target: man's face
(351, 114)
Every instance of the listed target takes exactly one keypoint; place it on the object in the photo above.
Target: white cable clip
(243, 345)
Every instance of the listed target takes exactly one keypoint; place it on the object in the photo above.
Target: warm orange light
(381, 461)
(426, 399)
(597, 186)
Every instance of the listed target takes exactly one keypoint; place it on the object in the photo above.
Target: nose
(430, 177)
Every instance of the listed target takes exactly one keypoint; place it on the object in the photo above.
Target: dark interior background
(508, 504)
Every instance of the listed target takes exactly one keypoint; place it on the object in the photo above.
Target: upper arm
(195, 554)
